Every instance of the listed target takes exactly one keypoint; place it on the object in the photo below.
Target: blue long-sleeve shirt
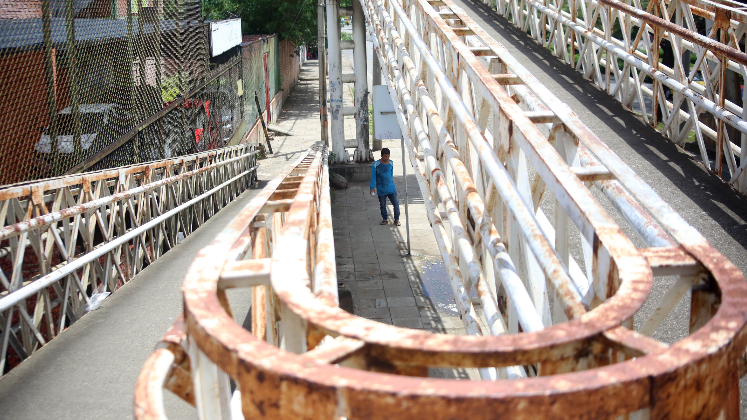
(382, 177)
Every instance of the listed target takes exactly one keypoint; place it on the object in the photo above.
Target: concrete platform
(354, 172)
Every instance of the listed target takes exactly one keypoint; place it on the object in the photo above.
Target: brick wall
(24, 109)
(290, 67)
(20, 9)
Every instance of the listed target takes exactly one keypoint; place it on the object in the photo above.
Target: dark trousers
(395, 203)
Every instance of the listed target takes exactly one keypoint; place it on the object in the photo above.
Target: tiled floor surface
(387, 285)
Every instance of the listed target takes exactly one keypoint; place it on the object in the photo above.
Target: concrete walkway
(89, 371)
(387, 285)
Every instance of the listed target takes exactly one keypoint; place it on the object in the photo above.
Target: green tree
(220, 9)
(294, 20)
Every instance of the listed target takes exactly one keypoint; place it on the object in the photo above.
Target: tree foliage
(294, 20)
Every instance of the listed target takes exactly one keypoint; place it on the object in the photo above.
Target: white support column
(212, 388)
(375, 80)
(322, 56)
(334, 56)
(363, 151)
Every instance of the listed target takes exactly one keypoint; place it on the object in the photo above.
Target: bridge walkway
(90, 371)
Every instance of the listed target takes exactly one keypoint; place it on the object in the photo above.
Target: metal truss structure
(559, 278)
(68, 242)
(583, 34)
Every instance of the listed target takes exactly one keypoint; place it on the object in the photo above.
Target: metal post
(363, 151)
(49, 74)
(131, 62)
(404, 175)
(159, 85)
(335, 83)
(322, 57)
(375, 80)
(73, 81)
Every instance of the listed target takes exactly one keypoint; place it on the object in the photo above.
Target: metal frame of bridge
(72, 240)
(587, 29)
(520, 179)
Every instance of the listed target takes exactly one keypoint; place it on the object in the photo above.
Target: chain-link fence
(261, 70)
(90, 85)
(203, 118)
(76, 75)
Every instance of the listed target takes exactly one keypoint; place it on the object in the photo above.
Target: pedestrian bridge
(591, 267)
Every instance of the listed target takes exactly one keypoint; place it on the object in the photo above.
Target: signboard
(385, 118)
(224, 35)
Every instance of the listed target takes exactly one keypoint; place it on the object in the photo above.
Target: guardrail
(500, 154)
(289, 220)
(675, 98)
(66, 243)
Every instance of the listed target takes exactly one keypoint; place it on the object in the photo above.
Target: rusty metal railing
(521, 180)
(605, 41)
(66, 243)
(295, 204)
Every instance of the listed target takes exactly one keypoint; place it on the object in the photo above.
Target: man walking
(382, 173)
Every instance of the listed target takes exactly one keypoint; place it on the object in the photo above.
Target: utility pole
(336, 124)
(363, 151)
(375, 80)
(322, 56)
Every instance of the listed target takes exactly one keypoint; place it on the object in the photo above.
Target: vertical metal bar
(211, 386)
(404, 176)
(130, 78)
(49, 73)
(337, 126)
(141, 56)
(743, 155)
(159, 85)
(72, 68)
(363, 151)
(721, 133)
(375, 80)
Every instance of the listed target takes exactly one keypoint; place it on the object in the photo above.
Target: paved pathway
(388, 285)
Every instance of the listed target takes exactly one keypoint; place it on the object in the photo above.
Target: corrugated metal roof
(28, 33)
(248, 39)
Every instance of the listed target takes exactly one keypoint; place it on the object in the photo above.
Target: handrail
(717, 53)
(87, 235)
